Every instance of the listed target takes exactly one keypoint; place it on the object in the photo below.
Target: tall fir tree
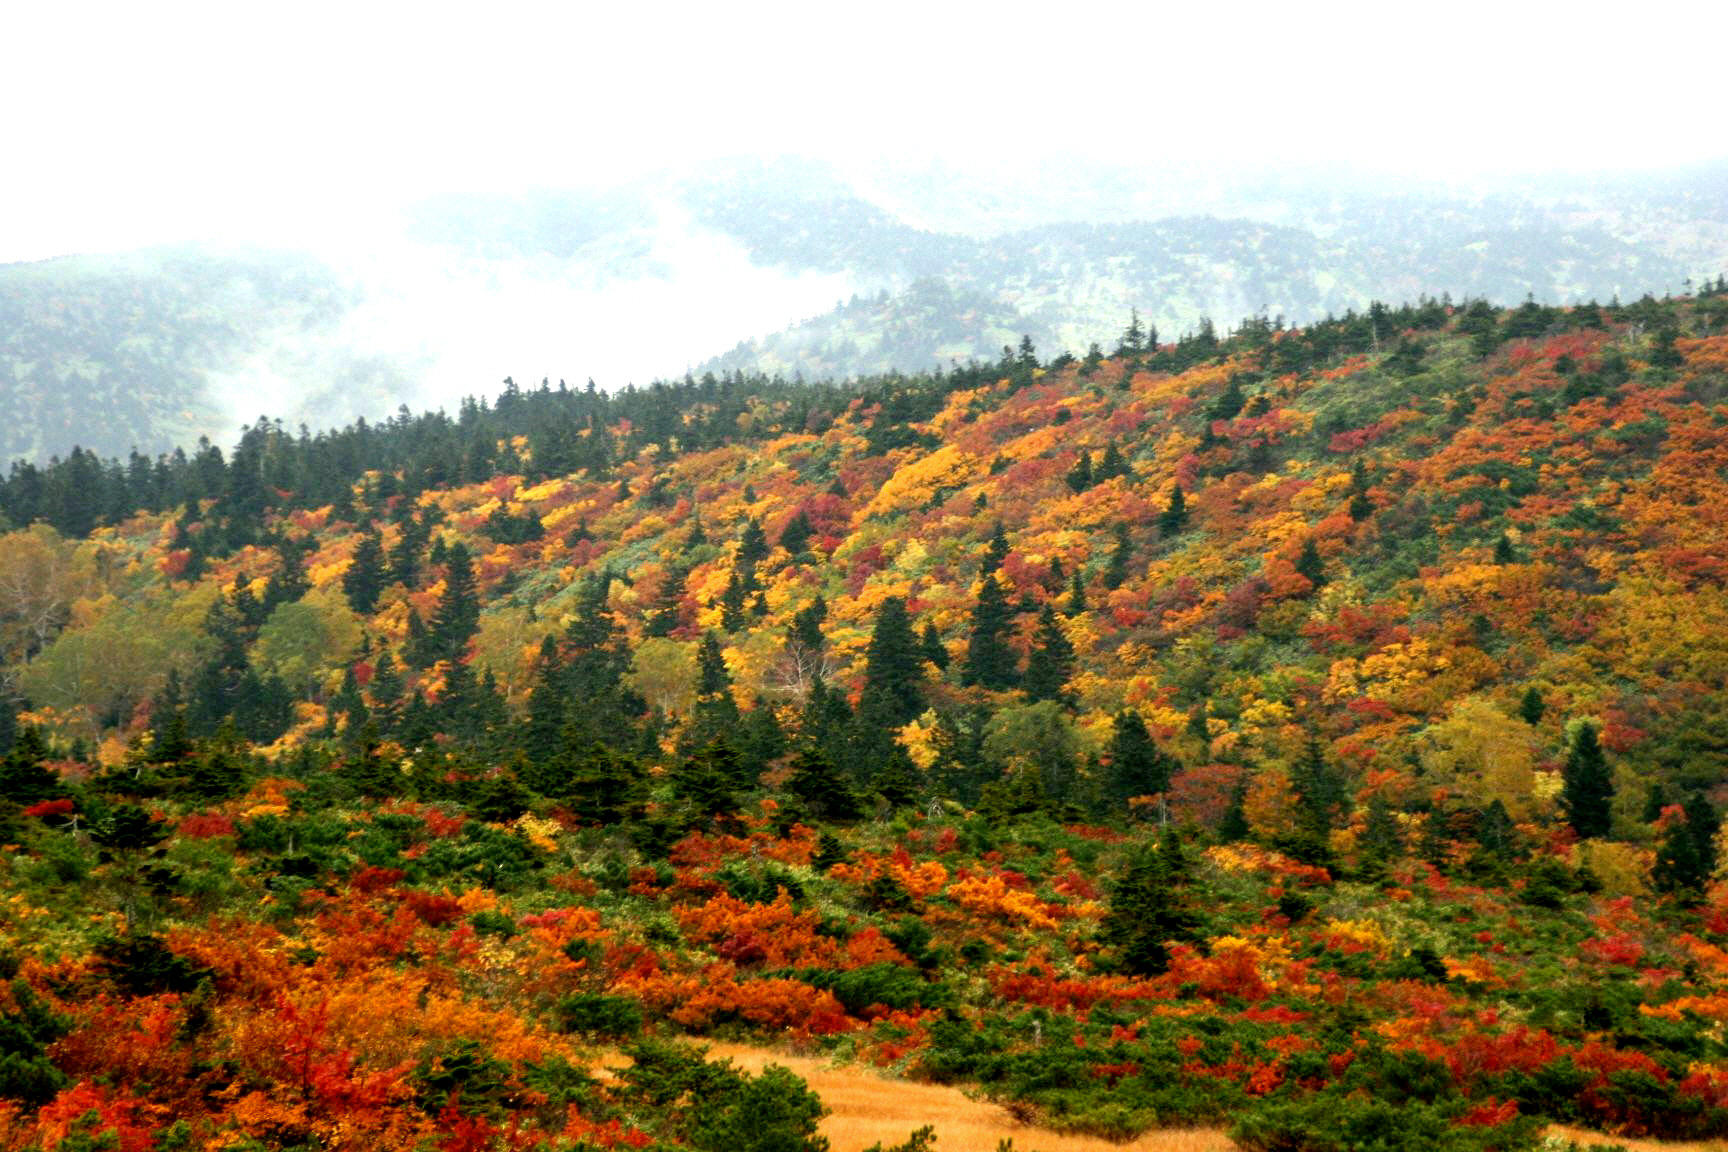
(893, 693)
(1116, 570)
(821, 788)
(931, 646)
(667, 614)
(170, 742)
(717, 714)
(1174, 518)
(989, 659)
(1320, 791)
(1079, 476)
(1076, 602)
(1050, 661)
(995, 551)
(1587, 785)
(1310, 565)
(1687, 859)
(752, 543)
(363, 582)
(1137, 766)
(1151, 907)
(1531, 706)
(795, 537)
(543, 727)
(405, 554)
(458, 615)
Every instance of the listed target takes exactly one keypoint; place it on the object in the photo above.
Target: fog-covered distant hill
(786, 266)
(152, 349)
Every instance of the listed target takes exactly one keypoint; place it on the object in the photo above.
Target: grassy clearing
(866, 1107)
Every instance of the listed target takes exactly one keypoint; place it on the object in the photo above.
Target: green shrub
(1334, 1123)
(491, 922)
(887, 984)
(611, 1016)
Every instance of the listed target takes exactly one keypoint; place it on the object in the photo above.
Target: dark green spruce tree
(1587, 785)
(1174, 518)
(717, 715)
(1050, 662)
(1686, 859)
(1151, 907)
(989, 659)
(458, 615)
(893, 693)
(1136, 767)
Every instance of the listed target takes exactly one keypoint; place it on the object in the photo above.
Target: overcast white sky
(136, 123)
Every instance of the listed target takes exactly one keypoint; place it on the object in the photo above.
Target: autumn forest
(1313, 733)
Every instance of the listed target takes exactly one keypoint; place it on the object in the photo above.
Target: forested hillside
(146, 350)
(1319, 731)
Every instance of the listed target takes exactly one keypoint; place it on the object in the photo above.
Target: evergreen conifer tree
(753, 544)
(989, 660)
(893, 693)
(458, 615)
(1320, 792)
(796, 536)
(1310, 564)
(1080, 475)
(717, 713)
(1361, 507)
(386, 687)
(1587, 785)
(822, 788)
(542, 731)
(1050, 662)
(1121, 557)
(405, 553)
(807, 625)
(931, 647)
(995, 551)
(1150, 909)
(1655, 800)
(1382, 840)
(1174, 518)
(1234, 826)
(1686, 859)
(1075, 605)
(1137, 767)
(761, 740)
(170, 742)
(363, 582)
(666, 615)
(25, 778)
(1111, 465)
(1094, 358)
(1132, 345)
(707, 781)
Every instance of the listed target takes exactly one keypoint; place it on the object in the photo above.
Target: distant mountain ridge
(811, 274)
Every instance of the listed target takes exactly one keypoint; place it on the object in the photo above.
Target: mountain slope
(1318, 731)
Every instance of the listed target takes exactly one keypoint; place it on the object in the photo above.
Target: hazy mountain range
(788, 266)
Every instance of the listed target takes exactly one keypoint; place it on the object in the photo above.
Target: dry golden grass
(866, 1107)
